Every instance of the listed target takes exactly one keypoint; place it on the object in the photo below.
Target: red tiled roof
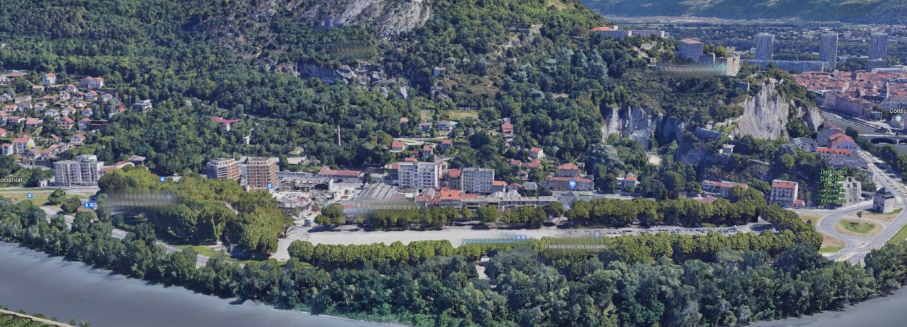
(330, 172)
(603, 29)
(454, 173)
(568, 166)
(783, 184)
(824, 150)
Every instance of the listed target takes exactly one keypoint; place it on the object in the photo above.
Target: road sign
(572, 184)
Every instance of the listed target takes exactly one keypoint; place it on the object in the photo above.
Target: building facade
(223, 168)
(261, 173)
(878, 46)
(84, 171)
(784, 193)
(690, 49)
(852, 191)
(418, 175)
(477, 180)
(828, 49)
(883, 201)
(764, 46)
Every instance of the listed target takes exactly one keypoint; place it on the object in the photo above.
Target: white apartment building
(784, 193)
(84, 171)
(477, 180)
(418, 175)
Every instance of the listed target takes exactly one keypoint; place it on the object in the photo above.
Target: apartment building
(478, 180)
(223, 168)
(418, 175)
(84, 171)
(260, 173)
(784, 193)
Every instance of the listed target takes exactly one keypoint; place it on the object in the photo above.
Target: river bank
(35, 282)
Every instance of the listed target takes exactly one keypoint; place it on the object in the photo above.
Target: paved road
(857, 247)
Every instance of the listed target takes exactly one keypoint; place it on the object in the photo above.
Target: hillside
(860, 11)
(292, 71)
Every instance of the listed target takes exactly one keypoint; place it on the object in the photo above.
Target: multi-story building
(784, 193)
(478, 180)
(260, 173)
(883, 201)
(764, 46)
(878, 46)
(690, 49)
(223, 168)
(722, 188)
(852, 191)
(91, 83)
(567, 170)
(84, 171)
(613, 32)
(828, 49)
(418, 175)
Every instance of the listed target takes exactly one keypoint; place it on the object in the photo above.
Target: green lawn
(40, 194)
(857, 227)
(831, 249)
(901, 235)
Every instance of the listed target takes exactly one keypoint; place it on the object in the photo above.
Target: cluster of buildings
(856, 93)
(73, 108)
(614, 32)
(828, 53)
(86, 170)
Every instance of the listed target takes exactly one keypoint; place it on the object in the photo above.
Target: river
(34, 282)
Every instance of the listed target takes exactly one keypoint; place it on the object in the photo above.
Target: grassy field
(41, 194)
(856, 227)
(830, 244)
(886, 217)
(811, 218)
(900, 236)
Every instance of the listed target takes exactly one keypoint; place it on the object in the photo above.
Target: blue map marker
(163, 179)
(597, 234)
(29, 196)
(572, 184)
(270, 186)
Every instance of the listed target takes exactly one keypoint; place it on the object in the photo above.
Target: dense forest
(198, 210)
(535, 62)
(876, 12)
(659, 279)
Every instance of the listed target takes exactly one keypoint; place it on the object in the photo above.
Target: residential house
(65, 123)
(77, 139)
(425, 127)
(84, 124)
(143, 105)
(444, 126)
(427, 151)
(536, 153)
(628, 182)
(721, 189)
(446, 144)
(23, 143)
(398, 146)
(91, 83)
(31, 122)
(49, 79)
(507, 129)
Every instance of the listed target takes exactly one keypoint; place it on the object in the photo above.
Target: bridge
(885, 138)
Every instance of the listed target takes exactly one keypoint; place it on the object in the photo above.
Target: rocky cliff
(766, 115)
(389, 16)
(641, 125)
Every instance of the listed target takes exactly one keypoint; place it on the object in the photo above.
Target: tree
(555, 209)
(57, 197)
(71, 205)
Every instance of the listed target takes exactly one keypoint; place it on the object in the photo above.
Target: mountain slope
(858, 11)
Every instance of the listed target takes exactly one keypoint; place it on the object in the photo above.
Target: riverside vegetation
(660, 279)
